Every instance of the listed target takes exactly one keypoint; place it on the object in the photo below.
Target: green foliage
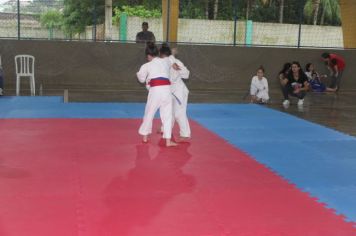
(139, 11)
(79, 14)
(191, 10)
(309, 10)
(265, 13)
(226, 10)
(148, 4)
(329, 11)
(51, 19)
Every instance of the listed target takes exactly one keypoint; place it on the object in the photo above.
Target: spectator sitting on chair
(314, 78)
(296, 85)
(336, 65)
(145, 36)
(259, 87)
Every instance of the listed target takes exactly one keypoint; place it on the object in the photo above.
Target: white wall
(205, 31)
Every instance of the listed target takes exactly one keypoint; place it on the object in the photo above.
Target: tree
(248, 8)
(226, 10)
(211, 9)
(192, 9)
(270, 4)
(139, 11)
(148, 4)
(51, 19)
(207, 9)
(311, 10)
(261, 10)
(330, 11)
(216, 8)
(78, 14)
(281, 11)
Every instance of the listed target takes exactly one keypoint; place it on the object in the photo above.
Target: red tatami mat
(64, 177)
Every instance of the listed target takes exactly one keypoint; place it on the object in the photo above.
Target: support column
(18, 20)
(348, 9)
(170, 13)
(108, 19)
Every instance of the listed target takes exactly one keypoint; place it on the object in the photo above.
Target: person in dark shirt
(295, 84)
(145, 36)
(336, 65)
(284, 72)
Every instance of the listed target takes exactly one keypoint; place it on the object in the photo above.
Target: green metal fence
(280, 23)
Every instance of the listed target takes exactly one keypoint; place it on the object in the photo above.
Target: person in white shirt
(155, 74)
(259, 87)
(315, 80)
(179, 92)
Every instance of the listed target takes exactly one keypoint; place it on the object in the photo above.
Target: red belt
(159, 82)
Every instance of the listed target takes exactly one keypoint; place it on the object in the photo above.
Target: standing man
(145, 36)
(336, 65)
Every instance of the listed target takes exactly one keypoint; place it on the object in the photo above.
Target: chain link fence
(280, 23)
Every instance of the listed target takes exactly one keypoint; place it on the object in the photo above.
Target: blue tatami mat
(318, 160)
(53, 107)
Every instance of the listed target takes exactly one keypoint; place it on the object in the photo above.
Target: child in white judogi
(259, 87)
(179, 93)
(155, 73)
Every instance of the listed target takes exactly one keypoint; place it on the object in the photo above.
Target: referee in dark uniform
(145, 36)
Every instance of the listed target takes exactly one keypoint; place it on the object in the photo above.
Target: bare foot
(332, 89)
(145, 138)
(170, 143)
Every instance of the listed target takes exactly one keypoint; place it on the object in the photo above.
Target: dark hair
(325, 55)
(307, 67)
(151, 49)
(296, 63)
(301, 72)
(261, 68)
(165, 50)
(145, 23)
(286, 67)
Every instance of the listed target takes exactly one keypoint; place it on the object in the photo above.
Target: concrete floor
(337, 111)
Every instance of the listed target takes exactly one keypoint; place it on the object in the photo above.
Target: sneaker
(265, 101)
(300, 108)
(286, 103)
(300, 102)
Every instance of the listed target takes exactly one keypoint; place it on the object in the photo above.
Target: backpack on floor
(317, 85)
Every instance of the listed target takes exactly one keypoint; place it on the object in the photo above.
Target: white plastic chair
(25, 67)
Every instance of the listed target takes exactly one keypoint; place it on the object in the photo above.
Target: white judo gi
(259, 88)
(159, 96)
(180, 97)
